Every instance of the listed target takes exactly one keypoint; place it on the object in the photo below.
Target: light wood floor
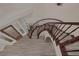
(28, 47)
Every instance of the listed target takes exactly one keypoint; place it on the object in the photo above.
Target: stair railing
(61, 32)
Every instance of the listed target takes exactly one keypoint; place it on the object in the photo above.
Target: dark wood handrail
(64, 31)
(46, 19)
(69, 33)
(56, 32)
(71, 41)
(68, 23)
(73, 50)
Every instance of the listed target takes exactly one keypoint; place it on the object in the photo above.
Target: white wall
(11, 12)
(67, 12)
(34, 12)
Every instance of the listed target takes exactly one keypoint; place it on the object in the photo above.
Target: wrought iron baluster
(64, 31)
(57, 29)
(60, 29)
(69, 33)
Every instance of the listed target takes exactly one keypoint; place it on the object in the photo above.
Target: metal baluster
(57, 29)
(69, 33)
(60, 29)
(64, 31)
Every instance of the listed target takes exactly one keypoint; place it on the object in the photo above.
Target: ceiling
(10, 12)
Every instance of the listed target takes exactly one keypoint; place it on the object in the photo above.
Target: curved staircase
(61, 32)
(64, 39)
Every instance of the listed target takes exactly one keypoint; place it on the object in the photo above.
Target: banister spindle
(60, 29)
(69, 33)
(64, 31)
(57, 29)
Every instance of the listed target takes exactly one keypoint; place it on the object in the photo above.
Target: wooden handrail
(57, 31)
(68, 23)
(46, 19)
(73, 50)
(64, 31)
(71, 41)
(69, 33)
